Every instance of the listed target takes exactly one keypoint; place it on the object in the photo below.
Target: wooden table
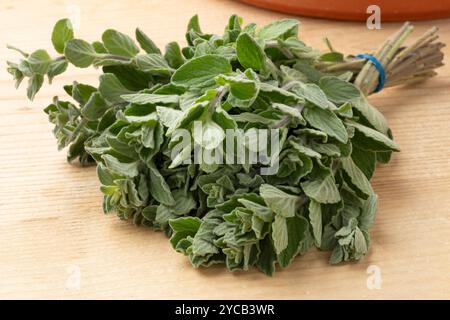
(55, 241)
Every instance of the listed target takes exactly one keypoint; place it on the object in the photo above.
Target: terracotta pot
(391, 10)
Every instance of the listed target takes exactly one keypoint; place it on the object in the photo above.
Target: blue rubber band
(377, 64)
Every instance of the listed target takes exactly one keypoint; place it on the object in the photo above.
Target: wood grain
(52, 228)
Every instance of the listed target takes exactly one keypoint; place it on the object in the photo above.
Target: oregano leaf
(62, 32)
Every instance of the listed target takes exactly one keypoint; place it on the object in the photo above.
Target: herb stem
(282, 123)
(222, 90)
(104, 56)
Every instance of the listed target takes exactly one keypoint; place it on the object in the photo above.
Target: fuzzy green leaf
(118, 43)
(62, 32)
(278, 29)
(80, 53)
(337, 90)
(315, 218)
(322, 190)
(280, 202)
(327, 121)
(249, 52)
(199, 71)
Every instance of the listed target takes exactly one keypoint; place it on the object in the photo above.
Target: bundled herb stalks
(402, 65)
(154, 115)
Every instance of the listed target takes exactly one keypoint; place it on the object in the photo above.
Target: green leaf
(184, 202)
(356, 177)
(146, 43)
(109, 60)
(82, 92)
(34, 84)
(129, 170)
(249, 53)
(296, 232)
(13, 69)
(268, 257)
(332, 57)
(252, 118)
(365, 160)
(260, 211)
(240, 87)
(278, 29)
(280, 202)
(158, 187)
(322, 190)
(194, 24)
(105, 177)
(189, 115)
(327, 149)
(337, 255)
(223, 119)
(369, 139)
(293, 111)
(99, 47)
(203, 241)
(149, 213)
(153, 63)
(211, 135)
(279, 95)
(305, 150)
(368, 212)
(62, 32)
(279, 233)
(199, 71)
(345, 110)
(337, 90)
(112, 89)
(360, 242)
(39, 62)
(327, 121)
(129, 76)
(384, 157)
(168, 116)
(183, 227)
(290, 74)
(57, 67)
(374, 117)
(118, 43)
(80, 53)
(315, 95)
(24, 68)
(122, 148)
(315, 218)
(95, 107)
(151, 98)
(109, 190)
(259, 227)
(173, 55)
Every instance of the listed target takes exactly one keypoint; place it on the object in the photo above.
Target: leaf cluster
(246, 78)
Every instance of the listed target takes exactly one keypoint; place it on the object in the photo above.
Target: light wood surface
(52, 229)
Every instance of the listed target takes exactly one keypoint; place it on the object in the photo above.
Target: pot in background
(391, 10)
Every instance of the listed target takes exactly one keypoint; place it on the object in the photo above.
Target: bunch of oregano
(133, 125)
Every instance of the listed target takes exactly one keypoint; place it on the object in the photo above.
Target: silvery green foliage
(246, 78)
